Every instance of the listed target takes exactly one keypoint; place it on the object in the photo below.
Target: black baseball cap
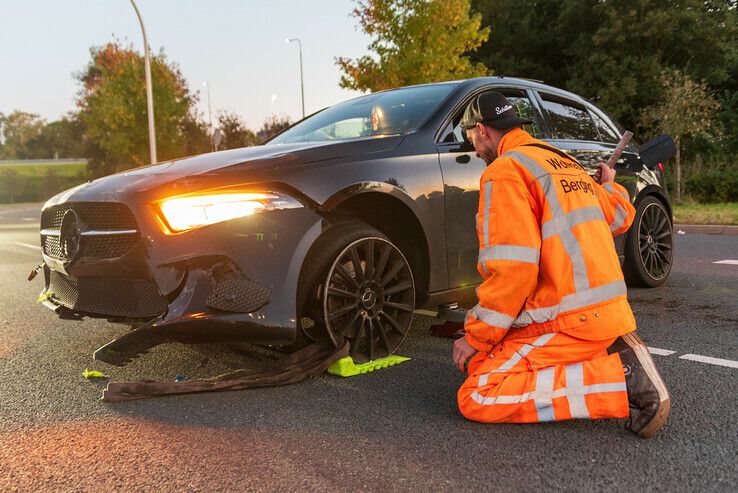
(494, 110)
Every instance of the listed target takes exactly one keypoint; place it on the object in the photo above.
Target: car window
(384, 113)
(607, 134)
(454, 133)
(568, 121)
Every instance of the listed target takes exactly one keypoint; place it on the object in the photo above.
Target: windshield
(385, 113)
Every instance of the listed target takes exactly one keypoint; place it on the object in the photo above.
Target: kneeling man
(553, 336)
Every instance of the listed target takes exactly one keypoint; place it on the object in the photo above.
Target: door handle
(463, 159)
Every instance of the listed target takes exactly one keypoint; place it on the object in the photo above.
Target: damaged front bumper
(229, 282)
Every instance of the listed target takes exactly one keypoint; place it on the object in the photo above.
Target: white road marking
(727, 261)
(654, 350)
(660, 352)
(709, 360)
(35, 247)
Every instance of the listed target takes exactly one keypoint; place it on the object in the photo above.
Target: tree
(112, 104)
(195, 136)
(688, 110)
(272, 126)
(62, 138)
(19, 129)
(613, 51)
(415, 41)
(235, 133)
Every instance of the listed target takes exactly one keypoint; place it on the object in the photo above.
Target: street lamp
(274, 98)
(149, 93)
(302, 87)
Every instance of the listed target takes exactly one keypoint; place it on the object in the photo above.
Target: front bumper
(234, 281)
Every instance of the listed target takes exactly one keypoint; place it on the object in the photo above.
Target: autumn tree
(687, 110)
(234, 131)
(112, 103)
(414, 42)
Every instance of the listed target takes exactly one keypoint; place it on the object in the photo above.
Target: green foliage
(612, 51)
(27, 136)
(235, 133)
(272, 126)
(18, 130)
(713, 186)
(62, 138)
(9, 185)
(37, 183)
(42, 169)
(414, 42)
(112, 105)
(196, 139)
(687, 110)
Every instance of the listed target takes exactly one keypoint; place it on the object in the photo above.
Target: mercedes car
(336, 229)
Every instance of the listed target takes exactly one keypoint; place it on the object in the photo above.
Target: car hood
(247, 164)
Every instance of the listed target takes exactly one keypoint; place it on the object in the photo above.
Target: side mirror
(658, 150)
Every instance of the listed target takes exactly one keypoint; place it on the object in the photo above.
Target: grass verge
(63, 170)
(725, 213)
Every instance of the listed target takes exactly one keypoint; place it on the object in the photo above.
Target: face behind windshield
(385, 113)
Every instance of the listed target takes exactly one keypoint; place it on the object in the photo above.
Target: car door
(462, 170)
(586, 133)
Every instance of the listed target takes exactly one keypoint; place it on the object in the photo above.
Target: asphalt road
(394, 429)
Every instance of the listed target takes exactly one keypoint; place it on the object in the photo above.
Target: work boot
(647, 394)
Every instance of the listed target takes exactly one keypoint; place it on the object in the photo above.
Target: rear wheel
(357, 286)
(649, 248)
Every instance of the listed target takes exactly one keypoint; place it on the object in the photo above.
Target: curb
(707, 229)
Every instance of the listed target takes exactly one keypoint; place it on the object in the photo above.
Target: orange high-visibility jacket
(546, 249)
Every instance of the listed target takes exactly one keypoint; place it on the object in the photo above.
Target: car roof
(469, 84)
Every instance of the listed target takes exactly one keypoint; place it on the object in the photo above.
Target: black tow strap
(307, 362)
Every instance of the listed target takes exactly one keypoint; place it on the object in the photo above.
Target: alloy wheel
(655, 241)
(369, 298)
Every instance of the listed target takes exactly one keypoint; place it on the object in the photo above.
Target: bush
(713, 186)
(15, 188)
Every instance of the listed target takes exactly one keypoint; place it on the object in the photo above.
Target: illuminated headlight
(187, 212)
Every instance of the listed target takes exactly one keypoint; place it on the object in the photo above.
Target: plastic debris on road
(345, 367)
(44, 296)
(89, 374)
(180, 378)
(680, 232)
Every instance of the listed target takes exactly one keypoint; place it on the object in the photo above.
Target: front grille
(99, 216)
(101, 247)
(95, 215)
(130, 298)
(51, 246)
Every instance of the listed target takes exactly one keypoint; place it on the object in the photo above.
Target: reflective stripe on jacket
(546, 251)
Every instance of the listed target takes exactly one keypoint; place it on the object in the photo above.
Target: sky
(236, 46)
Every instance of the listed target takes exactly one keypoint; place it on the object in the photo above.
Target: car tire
(342, 296)
(649, 247)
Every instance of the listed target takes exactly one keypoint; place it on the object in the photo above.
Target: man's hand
(604, 174)
(461, 353)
